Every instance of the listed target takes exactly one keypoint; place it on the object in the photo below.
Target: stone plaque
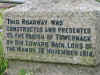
(53, 35)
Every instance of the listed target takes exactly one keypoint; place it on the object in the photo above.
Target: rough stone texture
(84, 12)
(49, 68)
(79, 14)
(37, 68)
(70, 22)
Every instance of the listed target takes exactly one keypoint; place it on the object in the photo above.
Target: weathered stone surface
(36, 68)
(73, 37)
(59, 18)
